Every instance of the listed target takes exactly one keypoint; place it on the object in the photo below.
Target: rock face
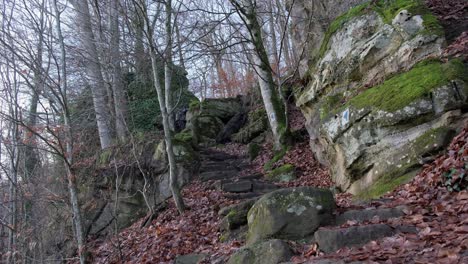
(310, 20)
(132, 204)
(269, 252)
(289, 213)
(379, 102)
(207, 119)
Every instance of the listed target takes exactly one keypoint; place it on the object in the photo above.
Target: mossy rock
(429, 144)
(208, 126)
(387, 10)
(285, 173)
(291, 213)
(257, 123)
(223, 108)
(269, 252)
(403, 89)
(253, 149)
(277, 157)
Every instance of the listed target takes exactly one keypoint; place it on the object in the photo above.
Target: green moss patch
(401, 90)
(330, 103)
(388, 183)
(339, 22)
(285, 173)
(277, 157)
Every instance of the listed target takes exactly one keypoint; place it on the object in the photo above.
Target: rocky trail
(230, 174)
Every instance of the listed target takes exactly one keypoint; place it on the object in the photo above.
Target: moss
(253, 150)
(284, 173)
(185, 137)
(224, 237)
(232, 213)
(401, 90)
(277, 157)
(387, 11)
(429, 138)
(338, 23)
(331, 102)
(105, 157)
(388, 182)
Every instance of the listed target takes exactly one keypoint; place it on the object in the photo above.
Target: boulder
(330, 240)
(285, 173)
(268, 252)
(257, 123)
(233, 126)
(376, 93)
(289, 213)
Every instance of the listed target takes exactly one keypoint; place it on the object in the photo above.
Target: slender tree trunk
(176, 193)
(120, 104)
(179, 46)
(274, 42)
(285, 30)
(271, 99)
(68, 157)
(168, 67)
(93, 68)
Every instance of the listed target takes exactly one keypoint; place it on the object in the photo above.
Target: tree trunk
(120, 104)
(93, 68)
(271, 99)
(176, 193)
(68, 157)
(168, 67)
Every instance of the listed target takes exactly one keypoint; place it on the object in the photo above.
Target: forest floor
(441, 217)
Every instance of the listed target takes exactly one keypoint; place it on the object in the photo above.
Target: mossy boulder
(253, 149)
(285, 173)
(291, 213)
(222, 108)
(257, 123)
(269, 252)
(377, 86)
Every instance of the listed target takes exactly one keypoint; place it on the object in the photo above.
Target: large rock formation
(131, 179)
(379, 102)
(310, 20)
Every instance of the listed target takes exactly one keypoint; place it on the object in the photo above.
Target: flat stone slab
(367, 215)
(259, 186)
(237, 187)
(189, 259)
(330, 240)
(218, 175)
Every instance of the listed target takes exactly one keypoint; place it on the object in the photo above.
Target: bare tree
(149, 32)
(94, 71)
(271, 97)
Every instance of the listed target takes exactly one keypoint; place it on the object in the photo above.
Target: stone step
(330, 240)
(366, 215)
(263, 187)
(255, 176)
(216, 167)
(219, 157)
(218, 175)
(237, 187)
(242, 196)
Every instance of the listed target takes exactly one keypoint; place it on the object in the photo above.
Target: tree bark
(176, 193)
(93, 67)
(68, 157)
(120, 104)
(271, 99)
(168, 67)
